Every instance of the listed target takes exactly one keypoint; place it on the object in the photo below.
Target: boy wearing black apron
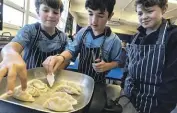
(98, 47)
(149, 56)
(38, 41)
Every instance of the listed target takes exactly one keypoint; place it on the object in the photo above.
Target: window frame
(27, 13)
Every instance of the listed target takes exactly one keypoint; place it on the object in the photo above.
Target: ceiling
(124, 19)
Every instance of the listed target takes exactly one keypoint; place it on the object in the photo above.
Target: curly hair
(149, 3)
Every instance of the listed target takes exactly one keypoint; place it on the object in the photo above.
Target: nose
(50, 14)
(94, 20)
(144, 16)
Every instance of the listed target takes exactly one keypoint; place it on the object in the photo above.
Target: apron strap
(136, 36)
(38, 28)
(162, 32)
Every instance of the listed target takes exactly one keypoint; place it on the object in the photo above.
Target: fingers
(11, 78)
(3, 72)
(23, 78)
(46, 64)
(51, 64)
(56, 66)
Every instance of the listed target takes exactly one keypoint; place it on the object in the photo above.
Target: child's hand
(101, 66)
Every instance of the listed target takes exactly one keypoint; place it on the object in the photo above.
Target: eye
(150, 11)
(56, 12)
(100, 16)
(45, 10)
(140, 13)
(90, 14)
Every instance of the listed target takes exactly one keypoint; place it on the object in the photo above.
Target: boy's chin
(147, 26)
(50, 25)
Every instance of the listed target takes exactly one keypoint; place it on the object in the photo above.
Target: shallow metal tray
(86, 82)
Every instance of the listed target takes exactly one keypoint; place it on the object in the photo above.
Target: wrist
(63, 57)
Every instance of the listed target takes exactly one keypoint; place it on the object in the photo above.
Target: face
(149, 17)
(98, 19)
(48, 16)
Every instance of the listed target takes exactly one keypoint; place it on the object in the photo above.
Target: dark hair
(101, 5)
(55, 4)
(149, 3)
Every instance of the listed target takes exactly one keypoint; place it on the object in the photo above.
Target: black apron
(86, 59)
(35, 56)
(146, 63)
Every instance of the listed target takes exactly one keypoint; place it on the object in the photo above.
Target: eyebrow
(102, 13)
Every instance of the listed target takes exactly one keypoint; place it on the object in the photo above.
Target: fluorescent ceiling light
(172, 1)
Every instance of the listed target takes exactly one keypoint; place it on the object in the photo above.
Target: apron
(145, 68)
(86, 59)
(35, 56)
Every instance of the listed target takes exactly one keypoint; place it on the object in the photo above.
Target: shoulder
(62, 34)
(114, 38)
(172, 29)
(172, 32)
(29, 28)
(82, 30)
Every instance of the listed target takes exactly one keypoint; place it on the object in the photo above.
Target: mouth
(94, 26)
(145, 22)
(51, 20)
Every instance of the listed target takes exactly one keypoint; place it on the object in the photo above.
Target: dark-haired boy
(152, 77)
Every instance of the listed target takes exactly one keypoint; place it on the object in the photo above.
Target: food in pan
(66, 96)
(72, 84)
(58, 104)
(33, 91)
(42, 87)
(23, 95)
(67, 89)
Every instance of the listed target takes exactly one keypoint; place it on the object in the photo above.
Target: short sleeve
(23, 36)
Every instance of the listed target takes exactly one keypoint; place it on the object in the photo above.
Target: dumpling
(66, 96)
(58, 104)
(22, 95)
(33, 91)
(72, 84)
(67, 89)
(42, 87)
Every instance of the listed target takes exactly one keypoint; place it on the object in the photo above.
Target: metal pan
(86, 82)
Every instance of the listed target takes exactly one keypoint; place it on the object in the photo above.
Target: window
(15, 18)
(61, 25)
(18, 2)
(32, 20)
(32, 7)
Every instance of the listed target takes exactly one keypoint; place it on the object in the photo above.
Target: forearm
(67, 55)
(112, 65)
(11, 49)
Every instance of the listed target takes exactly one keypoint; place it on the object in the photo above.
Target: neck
(150, 30)
(96, 33)
(49, 30)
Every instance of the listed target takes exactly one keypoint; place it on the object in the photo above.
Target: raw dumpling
(66, 96)
(72, 84)
(58, 104)
(42, 87)
(67, 89)
(33, 91)
(23, 95)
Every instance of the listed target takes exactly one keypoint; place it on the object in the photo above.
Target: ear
(37, 11)
(110, 16)
(165, 9)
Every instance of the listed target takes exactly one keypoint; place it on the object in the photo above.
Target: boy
(38, 41)
(99, 48)
(151, 55)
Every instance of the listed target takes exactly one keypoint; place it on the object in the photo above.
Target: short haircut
(55, 4)
(149, 3)
(101, 5)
